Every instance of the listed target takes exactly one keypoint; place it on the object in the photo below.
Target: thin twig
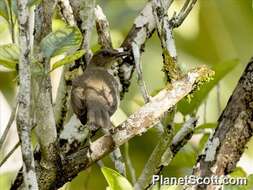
(164, 151)
(11, 21)
(11, 120)
(61, 106)
(129, 163)
(204, 112)
(178, 19)
(165, 33)
(142, 29)
(118, 161)
(141, 83)
(155, 160)
(7, 156)
(218, 99)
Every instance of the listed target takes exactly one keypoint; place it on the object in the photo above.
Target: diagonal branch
(178, 19)
(235, 128)
(6, 130)
(137, 124)
(164, 152)
(142, 29)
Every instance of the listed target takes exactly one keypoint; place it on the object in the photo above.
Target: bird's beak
(121, 54)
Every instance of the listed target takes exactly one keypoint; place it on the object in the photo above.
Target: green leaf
(66, 40)
(199, 96)
(115, 180)
(250, 182)
(238, 172)
(68, 59)
(201, 128)
(9, 55)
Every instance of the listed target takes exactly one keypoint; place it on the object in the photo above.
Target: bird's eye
(105, 53)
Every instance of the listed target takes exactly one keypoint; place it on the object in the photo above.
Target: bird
(95, 94)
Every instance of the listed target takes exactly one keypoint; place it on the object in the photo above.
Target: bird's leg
(116, 156)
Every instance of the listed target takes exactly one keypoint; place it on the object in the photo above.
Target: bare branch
(103, 29)
(136, 124)
(46, 126)
(184, 12)
(218, 93)
(141, 83)
(84, 15)
(24, 97)
(7, 156)
(129, 163)
(142, 29)
(164, 152)
(165, 33)
(234, 130)
(156, 159)
(67, 12)
(62, 102)
(119, 163)
(6, 130)
(87, 16)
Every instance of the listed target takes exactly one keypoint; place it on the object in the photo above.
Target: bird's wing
(78, 103)
(96, 97)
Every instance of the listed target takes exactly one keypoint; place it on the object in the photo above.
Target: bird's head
(106, 57)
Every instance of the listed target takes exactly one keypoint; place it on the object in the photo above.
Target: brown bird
(95, 94)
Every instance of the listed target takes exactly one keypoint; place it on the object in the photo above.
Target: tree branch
(62, 103)
(84, 15)
(234, 130)
(24, 97)
(178, 19)
(142, 29)
(6, 130)
(137, 124)
(141, 83)
(67, 12)
(103, 29)
(165, 32)
(164, 152)
(46, 126)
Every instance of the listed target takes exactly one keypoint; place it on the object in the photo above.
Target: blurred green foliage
(214, 33)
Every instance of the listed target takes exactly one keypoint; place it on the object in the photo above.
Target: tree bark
(235, 128)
